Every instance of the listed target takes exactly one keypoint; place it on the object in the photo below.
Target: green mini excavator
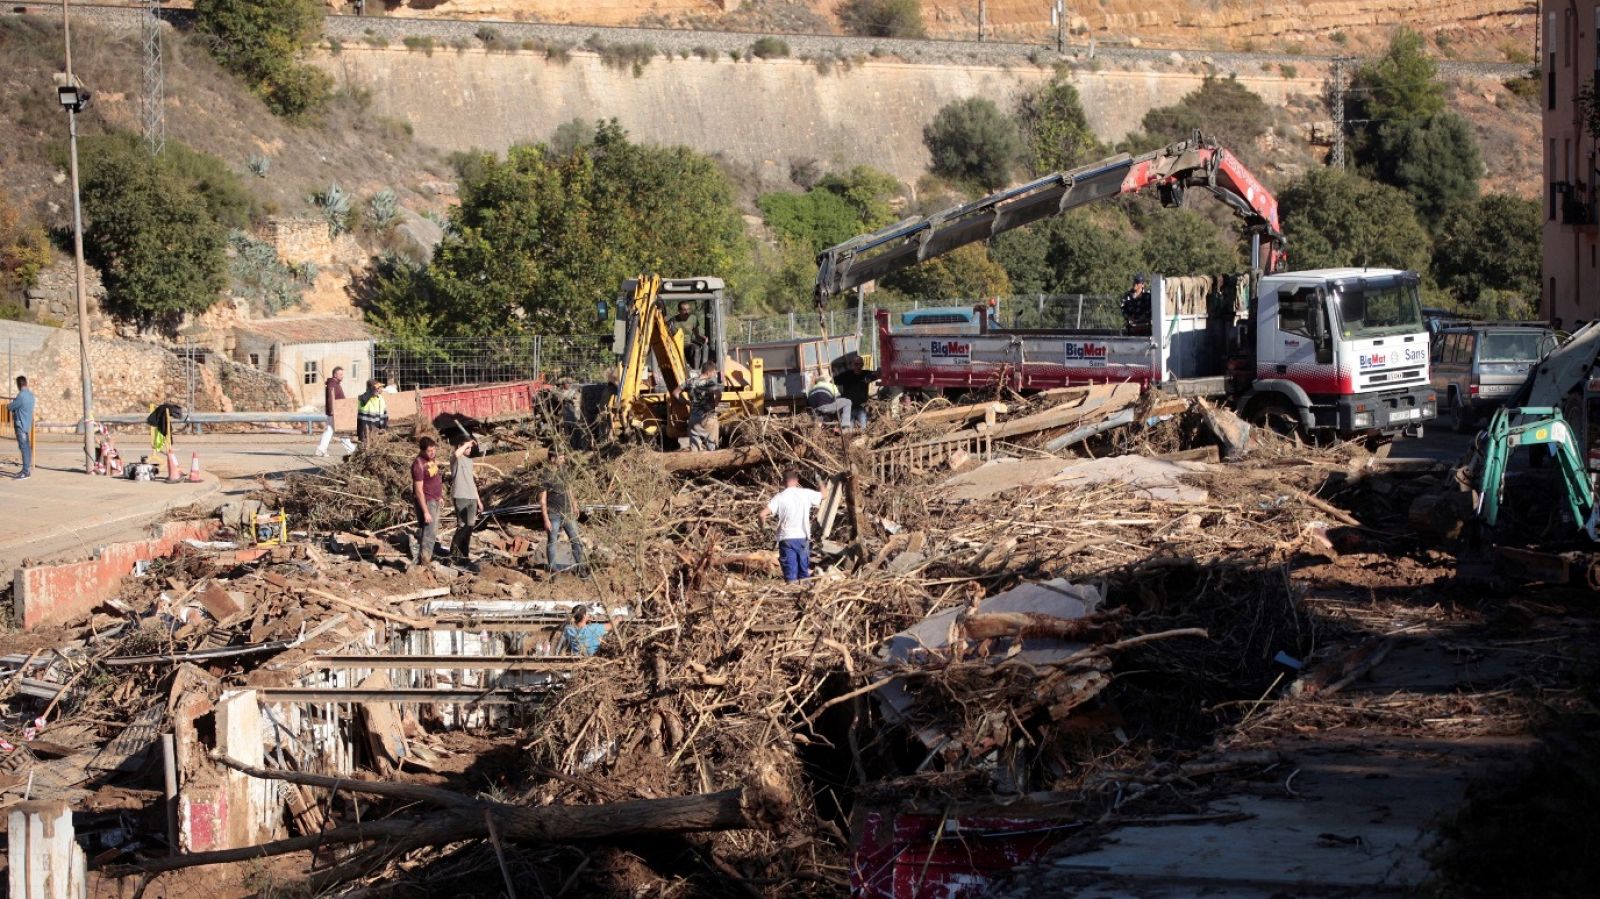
(1533, 426)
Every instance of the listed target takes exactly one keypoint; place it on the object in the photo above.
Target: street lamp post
(73, 99)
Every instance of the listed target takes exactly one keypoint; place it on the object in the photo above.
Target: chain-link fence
(449, 362)
(586, 358)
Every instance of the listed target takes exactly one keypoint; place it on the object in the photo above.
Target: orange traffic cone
(194, 468)
(172, 467)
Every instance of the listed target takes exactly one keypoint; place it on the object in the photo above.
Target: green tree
(839, 207)
(972, 140)
(813, 220)
(1074, 253)
(1490, 247)
(538, 237)
(262, 41)
(570, 135)
(24, 248)
(965, 274)
(1334, 218)
(866, 189)
(159, 247)
(1434, 160)
(1403, 84)
(1183, 242)
(882, 18)
(397, 297)
(1221, 109)
(1055, 131)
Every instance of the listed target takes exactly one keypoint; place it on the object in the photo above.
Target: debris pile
(1008, 601)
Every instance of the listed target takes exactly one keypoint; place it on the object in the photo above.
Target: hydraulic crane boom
(1172, 169)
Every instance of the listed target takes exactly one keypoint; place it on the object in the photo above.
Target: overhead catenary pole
(77, 248)
(1339, 124)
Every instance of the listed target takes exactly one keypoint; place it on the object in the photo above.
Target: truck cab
(1341, 349)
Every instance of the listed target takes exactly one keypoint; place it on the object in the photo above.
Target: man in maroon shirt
(332, 389)
(427, 483)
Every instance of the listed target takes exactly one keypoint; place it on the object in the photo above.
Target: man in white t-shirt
(793, 507)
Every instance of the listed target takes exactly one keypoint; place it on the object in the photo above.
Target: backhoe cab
(665, 330)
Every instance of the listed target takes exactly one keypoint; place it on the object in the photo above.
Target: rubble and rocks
(1100, 623)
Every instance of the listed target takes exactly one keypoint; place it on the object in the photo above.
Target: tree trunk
(762, 803)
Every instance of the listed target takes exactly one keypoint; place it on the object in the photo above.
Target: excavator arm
(1170, 170)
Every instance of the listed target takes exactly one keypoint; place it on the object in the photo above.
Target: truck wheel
(1275, 416)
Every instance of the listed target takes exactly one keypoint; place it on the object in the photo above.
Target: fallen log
(713, 460)
(763, 803)
(989, 625)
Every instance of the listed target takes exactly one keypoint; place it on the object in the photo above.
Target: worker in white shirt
(793, 507)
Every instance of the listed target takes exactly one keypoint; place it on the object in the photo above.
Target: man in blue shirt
(21, 409)
(582, 636)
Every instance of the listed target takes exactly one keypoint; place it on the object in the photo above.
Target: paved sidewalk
(60, 500)
(62, 513)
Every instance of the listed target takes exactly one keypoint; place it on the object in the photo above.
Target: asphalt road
(1439, 443)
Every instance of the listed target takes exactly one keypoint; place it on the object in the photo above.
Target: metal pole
(983, 18)
(169, 764)
(188, 354)
(1061, 28)
(861, 302)
(1338, 112)
(77, 248)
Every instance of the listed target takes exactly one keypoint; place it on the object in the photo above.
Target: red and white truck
(1341, 350)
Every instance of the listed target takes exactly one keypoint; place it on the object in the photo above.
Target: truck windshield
(1517, 346)
(1372, 308)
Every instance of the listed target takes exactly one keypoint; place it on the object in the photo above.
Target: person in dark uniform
(1136, 307)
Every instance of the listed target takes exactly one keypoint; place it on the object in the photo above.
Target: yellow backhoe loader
(665, 329)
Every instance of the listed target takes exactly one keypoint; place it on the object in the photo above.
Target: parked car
(962, 319)
(1477, 365)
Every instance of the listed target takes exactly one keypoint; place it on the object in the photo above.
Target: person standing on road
(703, 393)
(332, 389)
(372, 411)
(427, 486)
(21, 408)
(464, 495)
(853, 386)
(555, 503)
(793, 507)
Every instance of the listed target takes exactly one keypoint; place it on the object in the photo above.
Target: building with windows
(1569, 33)
(305, 351)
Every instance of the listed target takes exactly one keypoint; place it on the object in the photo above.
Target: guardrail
(198, 420)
